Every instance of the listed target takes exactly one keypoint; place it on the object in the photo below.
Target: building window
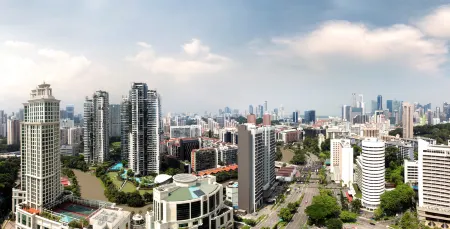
(183, 211)
(195, 209)
(182, 225)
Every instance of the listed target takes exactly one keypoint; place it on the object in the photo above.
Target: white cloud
(18, 44)
(336, 39)
(437, 24)
(23, 70)
(143, 44)
(196, 59)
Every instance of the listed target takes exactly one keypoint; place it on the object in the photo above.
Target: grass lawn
(358, 192)
(144, 191)
(129, 187)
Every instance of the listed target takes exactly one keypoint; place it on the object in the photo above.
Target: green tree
(334, 223)
(391, 153)
(398, 131)
(322, 208)
(356, 205)
(130, 173)
(325, 146)
(148, 197)
(356, 151)
(285, 214)
(348, 217)
(409, 221)
(397, 200)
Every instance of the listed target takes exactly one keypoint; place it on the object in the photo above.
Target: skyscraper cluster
(142, 130)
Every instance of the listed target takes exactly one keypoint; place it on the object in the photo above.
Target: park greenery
(393, 165)
(440, 132)
(9, 168)
(396, 201)
(5, 148)
(74, 162)
(74, 187)
(133, 199)
(309, 145)
(324, 208)
(115, 151)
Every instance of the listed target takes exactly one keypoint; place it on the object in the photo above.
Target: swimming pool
(116, 167)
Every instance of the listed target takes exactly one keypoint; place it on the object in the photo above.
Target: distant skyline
(205, 55)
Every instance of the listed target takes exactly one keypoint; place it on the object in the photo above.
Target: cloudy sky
(205, 55)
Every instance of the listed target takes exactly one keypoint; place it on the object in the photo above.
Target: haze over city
(205, 55)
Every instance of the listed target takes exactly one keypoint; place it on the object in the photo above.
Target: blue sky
(204, 55)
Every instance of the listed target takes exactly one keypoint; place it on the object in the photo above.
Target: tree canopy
(325, 146)
(397, 200)
(440, 132)
(323, 207)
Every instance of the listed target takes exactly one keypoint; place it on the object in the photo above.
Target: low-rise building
(232, 194)
(411, 172)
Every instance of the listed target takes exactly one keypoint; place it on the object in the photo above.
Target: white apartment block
(40, 156)
(191, 131)
(411, 172)
(341, 159)
(96, 128)
(434, 184)
(189, 202)
(373, 172)
(145, 129)
(232, 191)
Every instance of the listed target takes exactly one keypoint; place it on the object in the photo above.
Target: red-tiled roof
(216, 170)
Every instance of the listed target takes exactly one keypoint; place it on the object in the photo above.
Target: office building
(346, 110)
(310, 117)
(114, 120)
(379, 103)
(203, 159)
(295, 116)
(373, 172)
(434, 183)
(192, 131)
(250, 109)
(407, 120)
(70, 111)
(13, 133)
(256, 157)
(145, 129)
(389, 105)
(96, 128)
(341, 159)
(189, 202)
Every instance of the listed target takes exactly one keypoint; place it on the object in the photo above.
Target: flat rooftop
(73, 211)
(188, 193)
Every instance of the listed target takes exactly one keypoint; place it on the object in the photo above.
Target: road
(300, 218)
(272, 214)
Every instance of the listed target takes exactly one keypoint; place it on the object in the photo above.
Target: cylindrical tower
(373, 182)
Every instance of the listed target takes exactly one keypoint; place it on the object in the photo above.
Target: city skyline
(208, 48)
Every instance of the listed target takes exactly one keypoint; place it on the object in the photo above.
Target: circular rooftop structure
(184, 178)
(161, 178)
